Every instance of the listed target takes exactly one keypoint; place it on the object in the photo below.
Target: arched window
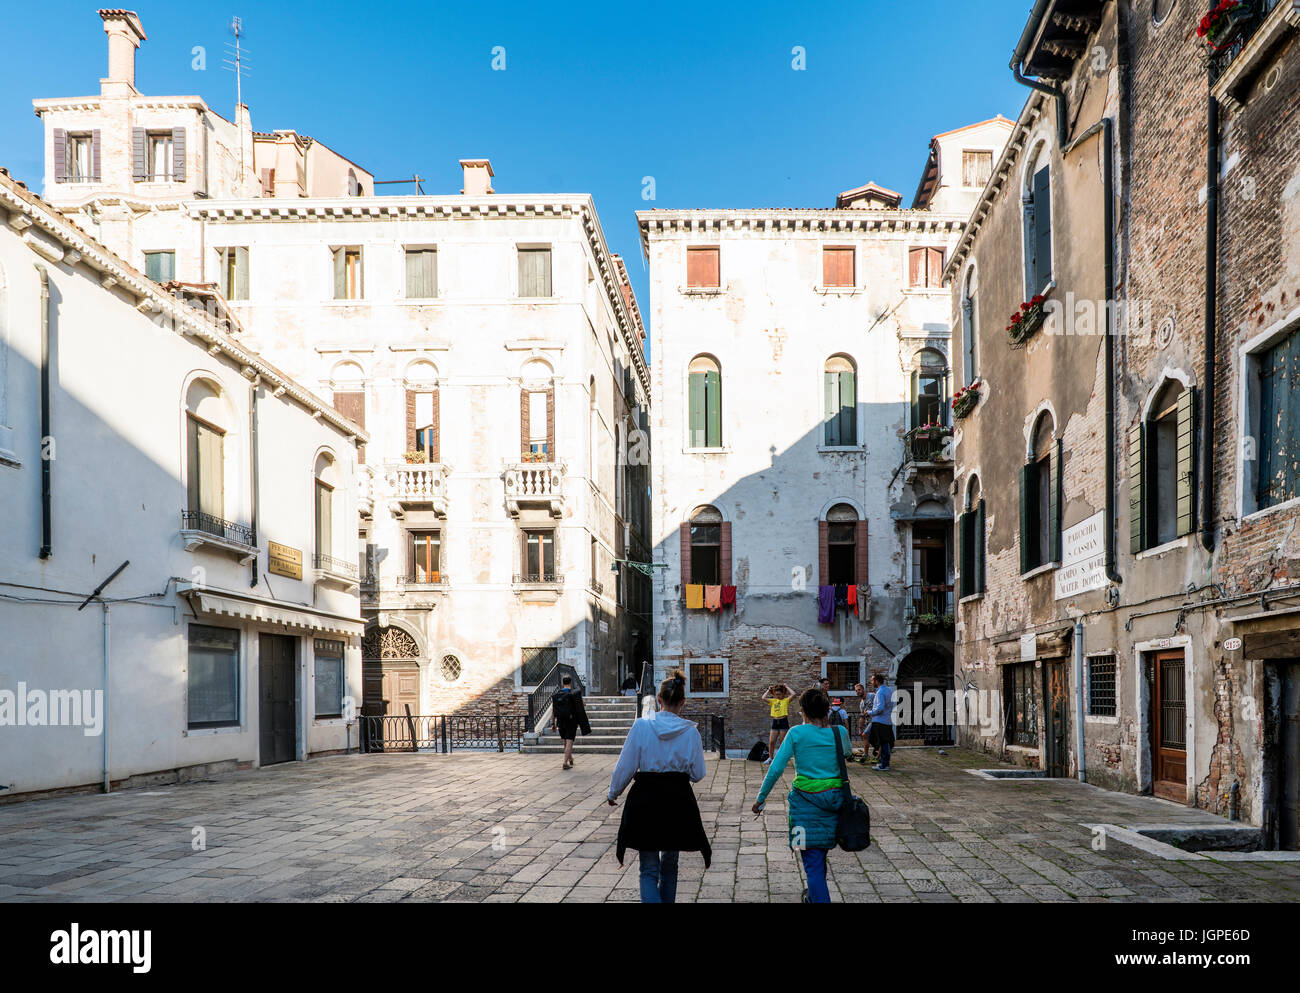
(969, 331)
(422, 431)
(354, 186)
(348, 390)
(537, 412)
(206, 424)
(705, 393)
(842, 548)
(1162, 469)
(840, 414)
(706, 548)
(930, 389)
(1040, 498)
(324, 506)
(1037, 200)
(970, 531)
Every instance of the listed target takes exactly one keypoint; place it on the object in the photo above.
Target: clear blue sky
(594, 96)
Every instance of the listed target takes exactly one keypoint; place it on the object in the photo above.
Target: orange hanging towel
(713, 597)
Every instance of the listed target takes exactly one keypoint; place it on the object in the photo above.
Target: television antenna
(237, 61)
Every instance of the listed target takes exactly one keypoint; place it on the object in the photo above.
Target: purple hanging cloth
(826, 605)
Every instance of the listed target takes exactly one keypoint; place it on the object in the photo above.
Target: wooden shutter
(352, 405)
(967, 342)
(713, 408)
(60, 155)
(697, 422)
(138, 163)
(862, 554)
(837, 267)
(524, 434)
(95, 157)
(324, 519)
(1137, 462)
(702, 267)
(724, 554)
(1186, 461)
(240, 289)
(1054, 500)
(916, 398)
(550, 424)
(1042, 229)
(211, 472)
(823, 553)
(915, 266)
(178, 155)
(268, 182)
(685, 533)
(934, 267)
(410, 420)
(848, 408)
(832, 433)
(1028, 516)
(435, 440)
(979, 548)
(340, 273)
(966, 553)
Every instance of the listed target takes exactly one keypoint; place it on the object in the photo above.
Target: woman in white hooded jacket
(664, 754)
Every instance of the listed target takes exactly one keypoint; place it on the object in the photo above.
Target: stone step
(584, 739)
(577, 749)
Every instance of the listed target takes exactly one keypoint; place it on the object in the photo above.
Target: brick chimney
(124, 36)
(478, 177)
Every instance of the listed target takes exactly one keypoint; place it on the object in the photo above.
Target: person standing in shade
(864, 720)
(881, 735)
(664, 755)
(568, 714)
(816, 795)
(777, 697)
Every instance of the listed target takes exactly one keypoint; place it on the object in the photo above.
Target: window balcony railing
(199, 529)
(932, 607)
(1252, 20)
(336, 567)
(928, 445)
(427, 581)
(535, 483)
(538, 579)
(420, 483)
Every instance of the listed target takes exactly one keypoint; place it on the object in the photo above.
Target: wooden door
(1289, 755)
(1169, 726)
(1056, 718)
(278, 693)
(388, 688)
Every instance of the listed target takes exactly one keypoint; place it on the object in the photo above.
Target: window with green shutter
(704, 395)
(1162, 470)
(841, 411)
(534, 272)
(160, 266)
(421, 273)
(1040, 499)
(1279, 436)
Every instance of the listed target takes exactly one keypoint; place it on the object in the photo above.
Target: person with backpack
(662, 756)
(817, 794)
(568, 714)
(838, 716)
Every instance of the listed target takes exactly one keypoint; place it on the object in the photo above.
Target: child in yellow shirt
(778, 698)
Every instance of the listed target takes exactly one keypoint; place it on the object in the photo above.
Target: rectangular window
(536, 663)
(706, 554)
(702, 268)
(421, 273)
(158, 146)
(426, 425)
(538, 422)
(534, 272)
(324, 518)
(1101, 686)
(424, 555)
(843, 674)
(160, 266)
(329, 678)
(837, 267)
(842, 556)
(232, 272)
(213, 677)
(925, 268)
(976, 168)
(1020, 704)
(347, 273)
(1279, 418)
(539, 556)
(79, 159)
(706, 678)
(206, 470)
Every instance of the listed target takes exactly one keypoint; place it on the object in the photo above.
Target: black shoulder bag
(853, 827)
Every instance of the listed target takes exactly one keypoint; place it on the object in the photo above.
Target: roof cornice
(182, 317)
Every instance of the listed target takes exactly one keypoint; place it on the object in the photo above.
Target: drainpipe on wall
(47, 540)
(252, 455)
(1018, 62)
(1211, 301)
(1078, 698)
(1108, 137)
(108, 781)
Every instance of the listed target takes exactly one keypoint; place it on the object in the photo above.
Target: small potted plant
(1027, 320)
(965, 400)
(1222, 25)
(415, 458)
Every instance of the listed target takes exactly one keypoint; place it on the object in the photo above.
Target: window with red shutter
(837, 267)
(702, 268)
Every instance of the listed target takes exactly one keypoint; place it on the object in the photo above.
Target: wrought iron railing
(1254, 18)
(539, 578)
(340, 567)
(193, 520)
(540, 698)
(439, 578)
(713, 731)
(928, 445)
(932, 601)
(441, 733)
(646, 687)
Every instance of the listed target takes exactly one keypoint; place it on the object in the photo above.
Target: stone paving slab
(514, 828)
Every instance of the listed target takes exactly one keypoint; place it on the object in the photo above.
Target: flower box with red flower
(1223, 25)
(1028, 319)
(965, 401)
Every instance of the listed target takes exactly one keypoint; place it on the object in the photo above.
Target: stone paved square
(515, 828)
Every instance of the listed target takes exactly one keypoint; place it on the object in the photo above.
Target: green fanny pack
(808, 785)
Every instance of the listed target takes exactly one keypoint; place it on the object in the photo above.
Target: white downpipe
(1078, 699)
(108, 780)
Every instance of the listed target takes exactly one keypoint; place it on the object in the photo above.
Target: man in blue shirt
(881, 733)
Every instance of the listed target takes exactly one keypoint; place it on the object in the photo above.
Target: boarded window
(534, 272)
(702, 268)
(976, 168)
(837, 267)
(232, 275)
(347, 273)
(160, 266)
(421, 273)
(705, 403)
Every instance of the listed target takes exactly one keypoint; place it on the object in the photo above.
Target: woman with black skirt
(661, 818)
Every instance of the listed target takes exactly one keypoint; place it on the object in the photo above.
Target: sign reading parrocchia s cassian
(1083, 558)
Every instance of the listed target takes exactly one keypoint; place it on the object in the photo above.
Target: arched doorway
(390, 685)
(926, 676)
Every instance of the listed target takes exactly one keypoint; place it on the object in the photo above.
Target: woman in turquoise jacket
(815, 798)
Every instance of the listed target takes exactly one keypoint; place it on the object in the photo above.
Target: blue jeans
(658, 877)
(885, 751)
(814, 868)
